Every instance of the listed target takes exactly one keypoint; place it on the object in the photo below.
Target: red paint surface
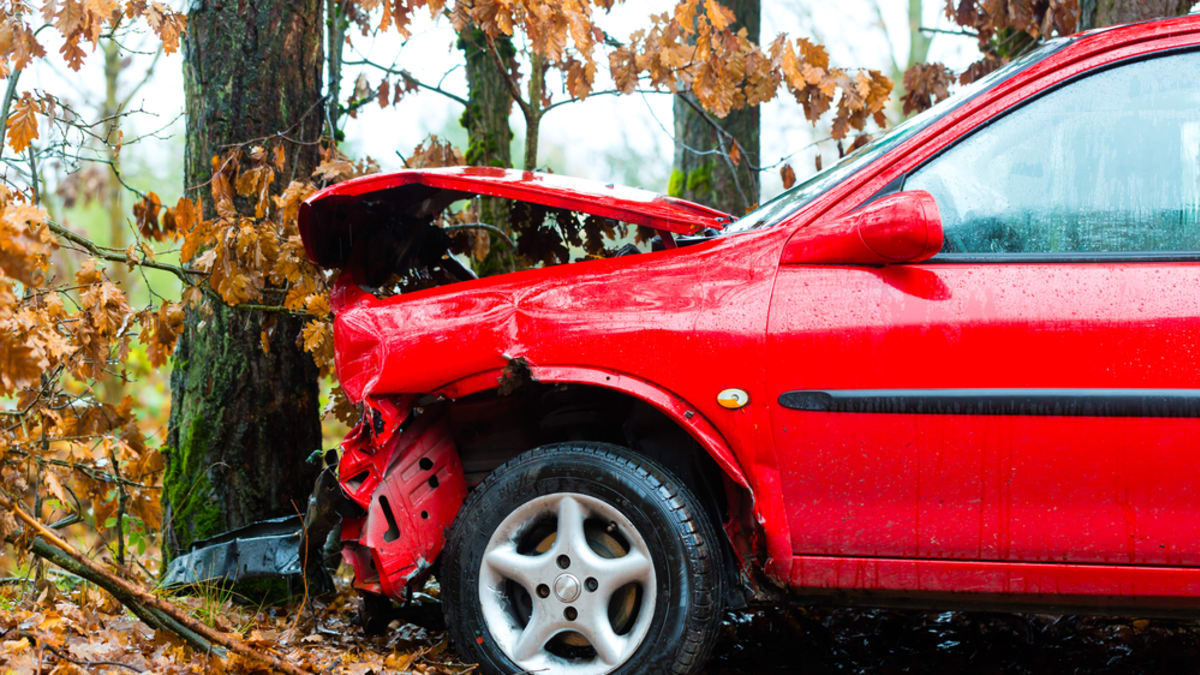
(901, 227)
(1042, 506)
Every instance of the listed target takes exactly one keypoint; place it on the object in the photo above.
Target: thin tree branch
(721, 134)
(512, 86)
(409, 78)
(943, 31)
(97, 251)
(482, 226)
(145, 78)
(605, 92)
(89, 471)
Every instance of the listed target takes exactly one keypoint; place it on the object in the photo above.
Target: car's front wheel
(582, 558)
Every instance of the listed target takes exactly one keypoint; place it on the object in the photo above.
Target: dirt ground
(815, 640)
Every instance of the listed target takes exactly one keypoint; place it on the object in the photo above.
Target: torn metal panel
(411, 488)
(267, 548)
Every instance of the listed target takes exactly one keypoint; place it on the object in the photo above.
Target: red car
(958, 368)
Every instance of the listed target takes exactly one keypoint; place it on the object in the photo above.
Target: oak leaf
(788, 175)
(22, 122)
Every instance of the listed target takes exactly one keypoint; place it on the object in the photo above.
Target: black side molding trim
(1046, 402)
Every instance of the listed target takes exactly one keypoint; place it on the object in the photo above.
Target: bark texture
(489, 136)
(243, 421)
(701, 173)
(1110, 12)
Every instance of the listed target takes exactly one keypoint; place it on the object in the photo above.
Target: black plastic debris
(267, 548)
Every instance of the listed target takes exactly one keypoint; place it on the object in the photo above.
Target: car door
(1033, 392)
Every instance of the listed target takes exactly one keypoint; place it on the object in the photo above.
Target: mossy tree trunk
(702, 171)
(1099, 13)
(489, 136)
(243, 421)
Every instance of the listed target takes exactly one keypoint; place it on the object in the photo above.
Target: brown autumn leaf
(146, 213)
(383, 93)
(160, 332)
(720, 15)
(788, 175)
(924, 85)
(434, 152)
(25, 241)
(22, 122)
(316, 338)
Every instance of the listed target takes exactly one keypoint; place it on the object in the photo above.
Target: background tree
(244, 408)
(489, 136)
(1097, 13)
(1007, 30)
(716, 161)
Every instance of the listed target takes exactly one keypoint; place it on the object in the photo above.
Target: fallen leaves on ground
(80, 629)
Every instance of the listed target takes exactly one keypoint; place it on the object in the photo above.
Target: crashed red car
(958, 368)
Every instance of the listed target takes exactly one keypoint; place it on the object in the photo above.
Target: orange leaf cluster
(1007, 26)
(1038, 18)
(434, 152)
(694, 49)
(76, 437)
(77, 22)
(251, 252)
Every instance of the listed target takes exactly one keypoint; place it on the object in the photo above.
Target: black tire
(681, 540)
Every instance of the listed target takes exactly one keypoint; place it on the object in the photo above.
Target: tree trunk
(706, 178)
(243, 421)
(336, 24)
(489, 138)
(113, 190)
(1099, 13)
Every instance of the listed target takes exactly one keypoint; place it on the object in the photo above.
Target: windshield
(789, 201)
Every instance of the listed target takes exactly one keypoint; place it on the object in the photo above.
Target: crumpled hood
(333, 219)
(588, 313)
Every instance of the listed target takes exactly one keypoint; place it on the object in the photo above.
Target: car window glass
(1108, 163)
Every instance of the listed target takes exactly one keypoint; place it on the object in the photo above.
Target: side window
(1107, 163)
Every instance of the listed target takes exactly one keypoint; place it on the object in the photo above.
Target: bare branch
(408, 76)
(107, 254)
(512, 86)
(9, 93)
(482, 226)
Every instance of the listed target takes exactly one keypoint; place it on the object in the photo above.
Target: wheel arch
(492, 413)
(679, 411)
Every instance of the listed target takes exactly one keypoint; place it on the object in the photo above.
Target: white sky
(612, 138)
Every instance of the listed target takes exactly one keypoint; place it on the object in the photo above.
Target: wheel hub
(566, 587)
(567, 583)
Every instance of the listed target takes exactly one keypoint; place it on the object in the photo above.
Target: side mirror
(901, 227)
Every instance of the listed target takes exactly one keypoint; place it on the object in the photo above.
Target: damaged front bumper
(403, 473)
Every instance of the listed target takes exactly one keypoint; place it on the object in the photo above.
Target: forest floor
(66, 628)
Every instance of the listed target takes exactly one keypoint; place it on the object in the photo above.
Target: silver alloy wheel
(570, 585)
